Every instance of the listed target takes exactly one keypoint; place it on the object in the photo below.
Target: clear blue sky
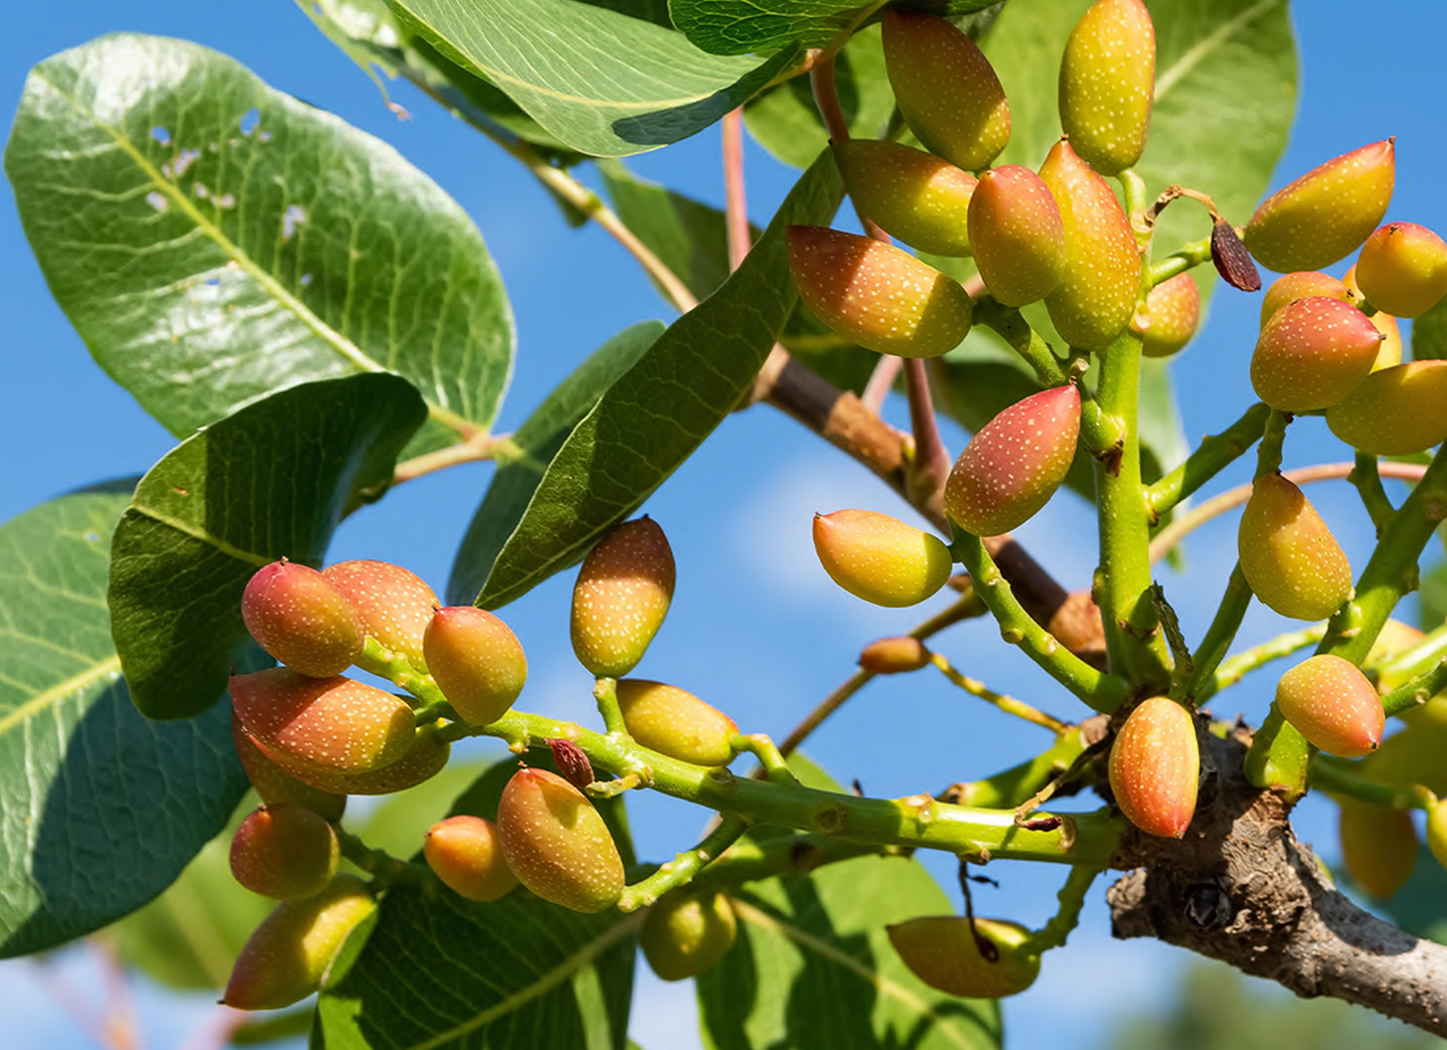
(756, 627)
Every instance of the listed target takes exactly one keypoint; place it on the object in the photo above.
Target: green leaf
(738, 27)
(604, 82)
(269, 482)
(99, 808)
(1225, 99)
(690, 238)
(655, 415)
(813, 968)
(189, 936)
(1429, 333)
(372, 37)
(1432, 611)
(785, 121)
(517, 973)
(249, 241)
(537, 442)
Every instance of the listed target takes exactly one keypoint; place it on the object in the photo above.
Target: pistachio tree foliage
(316, 322)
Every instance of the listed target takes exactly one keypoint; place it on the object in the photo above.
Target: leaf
(785, 121)
(370, 34)
(813, 968)
(604, 82)
(690, 238)
(249, 241)
(99, 808)
(269, 482)
(1432, 610)
(1429, 333)
(189, 936)
(399, 823)
(1225, 99)
(738, 27)
(537, 442)
(656, 414)
(518, 973)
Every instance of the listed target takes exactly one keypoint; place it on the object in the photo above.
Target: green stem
(1102, 692)
(752, 859)
(761, 747)
(605, 691)
(384, 663)
(1008, 323)
(1214, 454)
(385, 869)
(1242, 664)
(1008, 704)
(1072, 898)
(1187, 257)
(1135, 645)
(1401, 666)
(917, 821)
(1339, 777)
(1010, 787)
(1133, 189)
(1219, 635)
(681, 870)
(1417, 692)
(1368, 481)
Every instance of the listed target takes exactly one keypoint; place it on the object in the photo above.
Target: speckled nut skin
(1288, 555)
(336, 724)
(1017, 235)
(1155, 766)
(1378, 846)
(1402, 269)
(910, 194)
(556, 843)
(300, 618)
(676, 723)
(393, 604)
(899, 655)
(879, 558)
(1173, 310)
(422, 761)
(944, 952)
(1437, 832)
(1101, 282)
(274, 784)
(877, 295)
(1396, 411)
(1012, 467)
(1107, 84)
(1327, 213)
(945, 88)
(1313, 353)
(287, 956)
(1335, 706)
(477, 662)
(621, 597)
(284, 851)
(464, 852)
(1302, 284)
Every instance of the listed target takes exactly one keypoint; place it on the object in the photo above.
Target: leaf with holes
(270, 482)
(85, 780)
(661, 409)
(813, 968)
(514, 973)
(604, 82)
(249, 242)
(1225, 98)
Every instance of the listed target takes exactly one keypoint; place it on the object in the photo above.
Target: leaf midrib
(339, 343)
(760, 918)
(1195, 54)
(59, 691)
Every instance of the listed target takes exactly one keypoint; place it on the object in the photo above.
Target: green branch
(1214, 454)
(1368, 481)
(681, 870)
(1417, 692)
(1102, 692)
(1242, 664)
(1219, 636)
(1187, 257)
(1339, 777)
(1009, 325)
(1011, 787)
(1072, 898)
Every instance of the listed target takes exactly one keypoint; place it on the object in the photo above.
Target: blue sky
(757, 628)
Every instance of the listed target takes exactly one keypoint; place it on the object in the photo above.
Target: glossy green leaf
(515, 974)
(813, 968)
(1429, 333)
(785, 121)
(371, 35)
(604, 82)
(656, 414)
(249, 241)
(269, 482)
(1433, 606)
(189, 936)
(99, 808)
(1225, 99)
(537, 442)
(738, 27)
